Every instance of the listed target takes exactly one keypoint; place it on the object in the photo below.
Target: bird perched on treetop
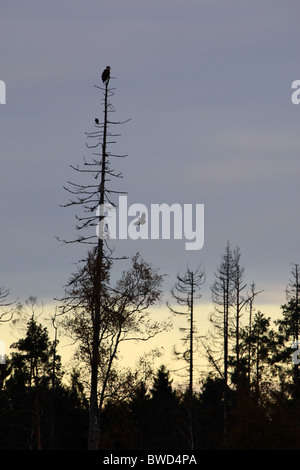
(106, 74)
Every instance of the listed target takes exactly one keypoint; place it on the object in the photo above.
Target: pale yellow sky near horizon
(130, 351)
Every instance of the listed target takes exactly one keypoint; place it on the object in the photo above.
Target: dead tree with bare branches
(185, 293)
(91, 197)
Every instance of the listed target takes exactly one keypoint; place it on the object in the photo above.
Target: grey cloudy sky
(207, 86)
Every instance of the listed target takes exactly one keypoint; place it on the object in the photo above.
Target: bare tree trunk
(94, 423)
(226, 318)
(191, 362)
(186, 294)
(222, 291)
(296, 288)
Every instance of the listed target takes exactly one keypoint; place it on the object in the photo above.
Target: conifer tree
(289, 329)
(32, 363)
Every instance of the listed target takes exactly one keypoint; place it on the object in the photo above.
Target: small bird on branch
(106, 74)
(96, 120)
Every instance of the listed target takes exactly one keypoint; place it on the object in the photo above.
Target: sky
(206, 85)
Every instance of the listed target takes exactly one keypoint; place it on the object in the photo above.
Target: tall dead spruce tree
(229, 301)
(92, 197)
(186, 292)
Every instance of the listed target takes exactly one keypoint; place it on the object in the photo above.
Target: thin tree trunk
(226, 319)
(191, 362)
(94, 424)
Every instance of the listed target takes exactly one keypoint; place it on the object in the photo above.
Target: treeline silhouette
(39, 411)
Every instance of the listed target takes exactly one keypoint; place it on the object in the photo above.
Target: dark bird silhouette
(106, 74)
(96, 120)
(142, 220)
